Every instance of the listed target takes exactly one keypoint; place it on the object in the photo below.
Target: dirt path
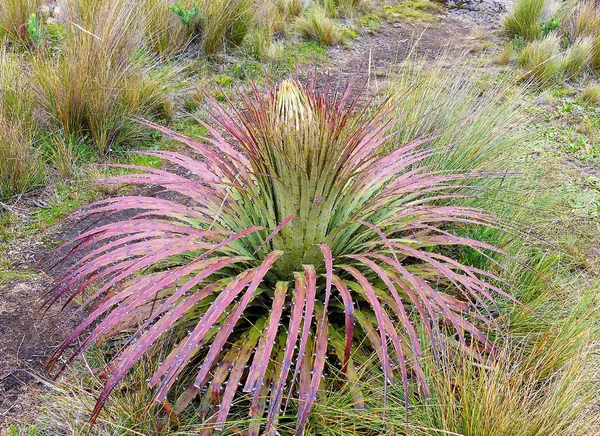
(26, 337)
(373, 59)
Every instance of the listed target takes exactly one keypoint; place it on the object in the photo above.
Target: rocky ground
(482, 12)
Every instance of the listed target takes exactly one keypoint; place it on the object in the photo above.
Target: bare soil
(26, 339)
(371, 60)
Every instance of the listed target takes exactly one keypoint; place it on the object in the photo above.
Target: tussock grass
(258, 42)
(226, 22)
(20, 168)
(543, 390)
(591, 93)
(584, 21)
(579, 55)
(582, 18)
(315, 25)
(14, 15)
(291, 8)
(524, 19)
(542, 59)
(164, 31)
(100, 80)
(433, 103)
(505, 54)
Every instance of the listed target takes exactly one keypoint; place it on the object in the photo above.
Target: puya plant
(303, 238)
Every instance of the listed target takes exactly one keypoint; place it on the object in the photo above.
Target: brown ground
(26, 338)
(373, 59)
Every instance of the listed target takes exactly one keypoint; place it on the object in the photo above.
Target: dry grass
(585, 22)
(591, 94)
(100, 80)
(164, 31)
(581, 19)
(20, 168)
(226, 22)
(514, 395)
(505, 54)
(579, 55)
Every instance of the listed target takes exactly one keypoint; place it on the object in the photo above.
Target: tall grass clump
(226, 22)
(542, 59)
(591, 93)
(305, 243)
(584, 22)
(579, 55)
(540, 387)
(258, 41)
(165, 32)
(14, 15)
(99, 79)
(315, 25)
(470, 117)
(20, 167)
(524, 19)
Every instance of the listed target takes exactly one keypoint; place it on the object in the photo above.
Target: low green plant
(524, 18)
(185, 15)
(315, 25)
(370, 22)
(25, 431)
(549, 26)
(517, 43)
(421, 10)
(33, 27)
(223, 80)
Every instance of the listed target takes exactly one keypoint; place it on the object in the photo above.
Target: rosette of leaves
(285, 248)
